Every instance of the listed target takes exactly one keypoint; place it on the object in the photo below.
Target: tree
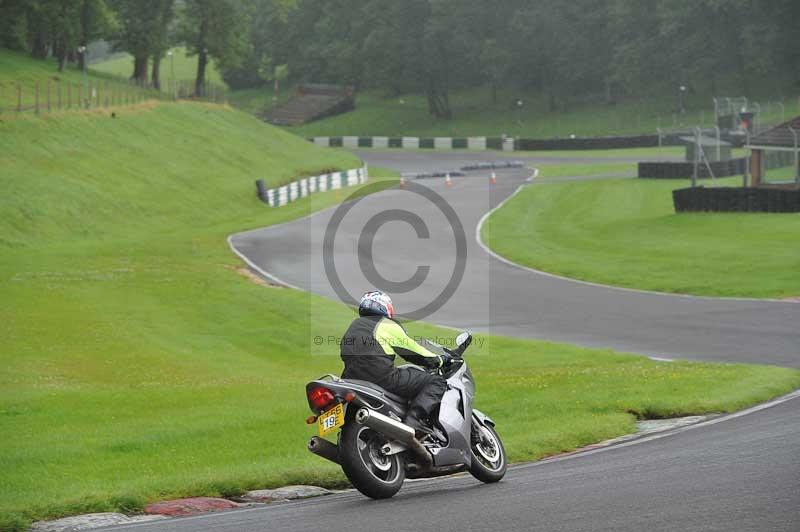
(140, 31)
(96, 21)
(267, 46)
(161, 39)
(214, 29)
(13, 24)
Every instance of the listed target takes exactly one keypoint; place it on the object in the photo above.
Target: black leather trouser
(423, 390)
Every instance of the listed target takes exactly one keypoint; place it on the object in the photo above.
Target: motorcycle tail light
(320, 397)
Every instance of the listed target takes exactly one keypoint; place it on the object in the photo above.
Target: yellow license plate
(331, 420)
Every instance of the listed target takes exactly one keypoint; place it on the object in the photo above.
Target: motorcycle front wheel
(371, 472)
(489, 462)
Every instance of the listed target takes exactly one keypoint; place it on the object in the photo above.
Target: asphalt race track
(502, 299)
(740, 473)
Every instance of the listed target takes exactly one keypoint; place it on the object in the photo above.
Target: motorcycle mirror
(463, 340)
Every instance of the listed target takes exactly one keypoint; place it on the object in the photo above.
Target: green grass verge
(475, 114)
(185, 67)
(626, 233)
(139, 363)
(580, 170)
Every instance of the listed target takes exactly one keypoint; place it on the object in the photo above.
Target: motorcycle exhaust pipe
(396, 430)
(324, 448)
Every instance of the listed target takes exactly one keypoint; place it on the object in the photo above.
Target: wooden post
(19, 97)
(756, 168)
(59, 95)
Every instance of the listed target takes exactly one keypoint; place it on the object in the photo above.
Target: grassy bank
(139, 362)
(474, 113)
(626, 233)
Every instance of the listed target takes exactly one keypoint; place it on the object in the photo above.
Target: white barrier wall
(411, 142)
(280, 196)
(476, 143)
(443, 143)
(439, 143)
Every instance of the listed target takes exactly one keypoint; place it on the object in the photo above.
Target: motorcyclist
(368, 350)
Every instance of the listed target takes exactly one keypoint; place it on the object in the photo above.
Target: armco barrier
(280, 196)
(736, 199)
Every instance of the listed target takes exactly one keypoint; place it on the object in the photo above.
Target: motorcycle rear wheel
(373, 474)
(489, 461)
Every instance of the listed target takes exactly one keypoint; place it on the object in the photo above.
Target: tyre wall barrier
(731, 167)
(736, 199)
(280, 196)
(684, 170)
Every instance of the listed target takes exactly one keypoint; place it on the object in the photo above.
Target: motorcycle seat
(388, 394)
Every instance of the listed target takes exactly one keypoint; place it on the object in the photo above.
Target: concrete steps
(312, 102)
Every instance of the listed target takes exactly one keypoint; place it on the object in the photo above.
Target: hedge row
(736, 199)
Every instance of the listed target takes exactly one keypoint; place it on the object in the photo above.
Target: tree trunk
(139, 75)
(60, 51)
(86, 21)
(156, 73)
(553, 103)
(202, 58)
(39, 45)
(438, 104)
(200, 81)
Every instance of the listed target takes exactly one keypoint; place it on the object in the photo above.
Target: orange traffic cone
(493, 179)
(447, 181)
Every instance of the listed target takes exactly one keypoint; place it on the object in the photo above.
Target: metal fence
(55, 95)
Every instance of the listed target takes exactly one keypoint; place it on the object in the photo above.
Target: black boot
(418, 422)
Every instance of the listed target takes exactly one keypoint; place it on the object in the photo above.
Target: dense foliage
(571, 51)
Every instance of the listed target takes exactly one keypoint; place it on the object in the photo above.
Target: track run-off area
(740, 473)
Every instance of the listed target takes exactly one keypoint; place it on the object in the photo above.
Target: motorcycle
(377, 451)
